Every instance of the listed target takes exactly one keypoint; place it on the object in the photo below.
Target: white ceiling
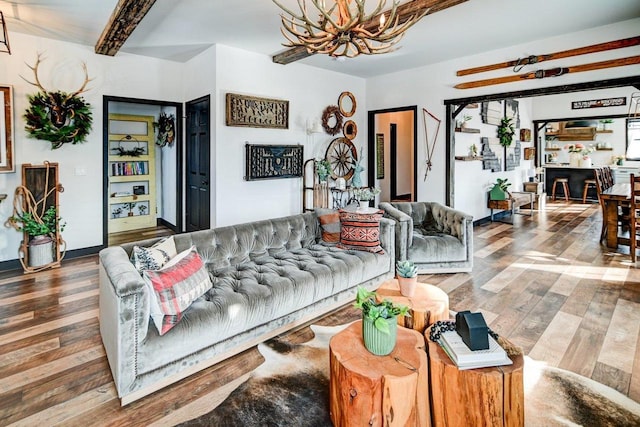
(179, 30)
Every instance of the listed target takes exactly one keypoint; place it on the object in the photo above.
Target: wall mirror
(347, 104)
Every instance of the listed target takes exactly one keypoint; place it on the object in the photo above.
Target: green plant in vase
(130, 206)
(142, 209)
(323, 170)
(499, 191)
(407, 273)
(379, 321)
(116, 212)
(33, 226)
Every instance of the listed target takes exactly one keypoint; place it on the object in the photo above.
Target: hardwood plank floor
(545, 283)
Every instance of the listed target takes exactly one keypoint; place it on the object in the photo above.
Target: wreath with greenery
(40, 126)
(506, 131)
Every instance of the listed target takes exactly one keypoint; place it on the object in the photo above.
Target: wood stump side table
(428, 305)
(486, 397)
(370, 390)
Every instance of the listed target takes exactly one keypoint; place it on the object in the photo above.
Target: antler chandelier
(344, 28)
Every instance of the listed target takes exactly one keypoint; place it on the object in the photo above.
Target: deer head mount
(58, 117)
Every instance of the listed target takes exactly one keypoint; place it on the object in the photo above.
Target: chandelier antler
(345, 29)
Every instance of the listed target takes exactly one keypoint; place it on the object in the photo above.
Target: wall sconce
(314, 126)
(5, 40)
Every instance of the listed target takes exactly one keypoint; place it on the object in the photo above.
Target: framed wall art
(6, 130)
(379, 156)
(491, 112)
(273, 161)
(251, 111)
(512, 111)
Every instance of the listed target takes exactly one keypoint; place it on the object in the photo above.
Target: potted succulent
(42, 232)
(142, 209)
(606, 124)
(407, 275)
(499, 190)
(462, 122)
(379, 322)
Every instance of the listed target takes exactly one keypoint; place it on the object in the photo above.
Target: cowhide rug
(291, 388)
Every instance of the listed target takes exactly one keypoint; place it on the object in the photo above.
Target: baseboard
(163, 222)
(14, 264)
(497, 215)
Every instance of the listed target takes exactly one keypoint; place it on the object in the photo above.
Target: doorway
(142, 181)
(392, 148)
(198, 156)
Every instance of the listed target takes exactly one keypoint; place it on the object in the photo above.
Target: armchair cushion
(436, 237)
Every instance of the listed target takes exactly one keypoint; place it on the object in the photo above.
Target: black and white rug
(291, 388)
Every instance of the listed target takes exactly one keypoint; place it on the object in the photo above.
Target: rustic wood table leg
(369, 390)
(487, 397)
(428, 305)
(611, 212)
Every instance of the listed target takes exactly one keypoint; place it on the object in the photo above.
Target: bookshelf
(132, 173)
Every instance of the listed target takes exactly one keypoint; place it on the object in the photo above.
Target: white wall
(124, 75)
(429, 86)
(309, 90)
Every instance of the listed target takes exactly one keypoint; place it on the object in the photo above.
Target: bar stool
(565, 187)
(588, 183)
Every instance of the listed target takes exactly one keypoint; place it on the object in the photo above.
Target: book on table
(466, 358)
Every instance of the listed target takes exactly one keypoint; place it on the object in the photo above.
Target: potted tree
(379, 322)
(407, 275)
(42, 232)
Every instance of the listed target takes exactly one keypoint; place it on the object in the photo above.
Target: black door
(198, 164)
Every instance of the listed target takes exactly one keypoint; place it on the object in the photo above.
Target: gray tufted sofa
(437, 238)
(268, 276)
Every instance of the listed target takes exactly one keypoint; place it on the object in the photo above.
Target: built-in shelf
(467, 130)
(604, 149)
(469, 158)
(553, 149)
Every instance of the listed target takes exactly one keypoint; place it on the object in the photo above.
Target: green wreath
(39, 123)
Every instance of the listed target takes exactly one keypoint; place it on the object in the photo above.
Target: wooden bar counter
(576, 178)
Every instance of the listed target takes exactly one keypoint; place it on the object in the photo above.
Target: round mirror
(347, 103)
(332, 120)
(350, 129)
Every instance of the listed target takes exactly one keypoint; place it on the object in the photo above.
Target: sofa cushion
(436, 247)
(174, 287)
(360, 231)
(250, 294)
(330, 224)
(155, 257)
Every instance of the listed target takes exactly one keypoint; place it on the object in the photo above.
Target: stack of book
(466, 358)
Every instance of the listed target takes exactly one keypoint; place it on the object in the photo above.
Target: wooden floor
(545, 283)
(138, 235)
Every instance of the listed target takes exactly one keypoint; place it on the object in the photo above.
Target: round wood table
(370, 390)
(428, 305)
(476, 397)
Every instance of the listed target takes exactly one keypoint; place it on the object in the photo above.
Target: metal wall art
(273, 161)
(250, 111)
(490, 160)
(492, 112)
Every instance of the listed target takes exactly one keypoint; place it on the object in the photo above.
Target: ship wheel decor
(58, 117)
(332, 113)
(342, 156)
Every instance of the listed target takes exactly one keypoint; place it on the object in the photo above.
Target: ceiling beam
(124, 20)
(404, 11)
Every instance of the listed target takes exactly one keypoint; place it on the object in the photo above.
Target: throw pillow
(155, 257)
(360, 231)
(329, 224)
(175, 286)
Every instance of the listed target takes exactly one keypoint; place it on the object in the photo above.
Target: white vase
(363, 205)
(585, 163)
(574, 160)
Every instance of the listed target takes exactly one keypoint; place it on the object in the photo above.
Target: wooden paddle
(533, 59)
(552, 72)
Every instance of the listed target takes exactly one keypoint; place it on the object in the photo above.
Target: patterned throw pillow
(360, 231)
(330, 224)
(155, 257)
(174, 287)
